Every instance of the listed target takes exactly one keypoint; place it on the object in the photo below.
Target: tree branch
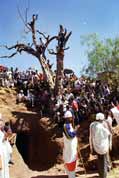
(51, 51)
(19, 48)
(66, 48)
(46, 37)
(67, 37)
(9, 48)
(32, 26)
(10, 56)
(65, 32)
(63, 37)
(50, 39)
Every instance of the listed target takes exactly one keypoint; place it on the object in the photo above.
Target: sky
(82, 17)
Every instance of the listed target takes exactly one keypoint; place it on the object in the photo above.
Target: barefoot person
(70, 145)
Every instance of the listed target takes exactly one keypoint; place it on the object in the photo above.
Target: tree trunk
(59, 72)
(46, 72)
(39, 59)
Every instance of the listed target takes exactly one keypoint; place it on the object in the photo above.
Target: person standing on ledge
(70, 145)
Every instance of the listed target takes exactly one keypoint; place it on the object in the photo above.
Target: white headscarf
(100, 116)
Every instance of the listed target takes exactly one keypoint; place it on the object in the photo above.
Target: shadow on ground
(59, 176)
(89, 174)
(34, 141)
(62, 176)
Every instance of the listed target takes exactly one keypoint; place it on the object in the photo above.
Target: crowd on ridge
(79, 99)
(83, 96)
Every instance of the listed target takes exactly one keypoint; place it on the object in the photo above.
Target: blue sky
(79, 16)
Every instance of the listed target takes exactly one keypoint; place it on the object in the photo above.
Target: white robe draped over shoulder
(5, 151)
(70, 148)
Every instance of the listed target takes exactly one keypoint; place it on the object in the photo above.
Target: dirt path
(21, 170)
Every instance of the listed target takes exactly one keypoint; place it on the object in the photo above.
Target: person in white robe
(5, 151)
(70, 145)
(100, 141)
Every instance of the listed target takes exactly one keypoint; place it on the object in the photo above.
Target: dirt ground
(22, 168)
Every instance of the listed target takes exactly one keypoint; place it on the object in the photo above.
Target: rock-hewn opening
(35, 142)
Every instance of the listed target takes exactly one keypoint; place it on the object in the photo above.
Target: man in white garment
(5, 151)
(100, 143)
(70, 145)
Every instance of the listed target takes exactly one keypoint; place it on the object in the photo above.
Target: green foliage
(103, 55)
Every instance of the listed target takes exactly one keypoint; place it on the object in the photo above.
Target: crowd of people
(77, 101)
(31, 86)
(88, 99)
(84, 96)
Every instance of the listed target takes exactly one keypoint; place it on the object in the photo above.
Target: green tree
(103, 55)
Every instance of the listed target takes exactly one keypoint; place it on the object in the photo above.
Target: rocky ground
(41, 157)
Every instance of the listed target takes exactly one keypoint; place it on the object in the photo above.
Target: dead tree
(62, 39)
(37, 48)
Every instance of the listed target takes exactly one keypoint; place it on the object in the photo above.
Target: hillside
(38, 147)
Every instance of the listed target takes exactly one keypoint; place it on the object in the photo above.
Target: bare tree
(38, 48)
(62, 39)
